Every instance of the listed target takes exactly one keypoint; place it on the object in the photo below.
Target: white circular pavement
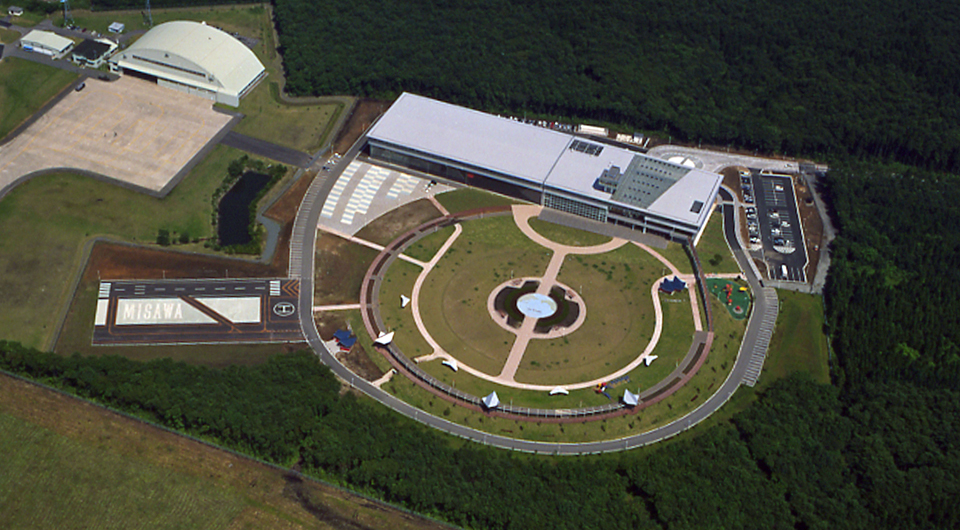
(535, 305)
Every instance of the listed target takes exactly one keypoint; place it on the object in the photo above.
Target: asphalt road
(255, 146)
(302, 266)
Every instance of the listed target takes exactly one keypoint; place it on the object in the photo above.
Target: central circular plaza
(535, 305)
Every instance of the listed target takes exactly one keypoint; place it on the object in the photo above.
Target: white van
(783, 271)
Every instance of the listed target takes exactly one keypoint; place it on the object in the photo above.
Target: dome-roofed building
(195, 58)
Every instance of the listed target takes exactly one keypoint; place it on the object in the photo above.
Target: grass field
(398, 281)
(8, 36)
(48, 481)
(715, 255)
(24, 87)
(58, 213)
(454, 297)
(615, 287)
(676, 255)
(71, 465)
(339, 268)
(798, 345)
(628, 266)
(470, 198)
(567, 236)
(674, 346)
(426, 248)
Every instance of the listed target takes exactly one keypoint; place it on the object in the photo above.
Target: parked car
(779, 241)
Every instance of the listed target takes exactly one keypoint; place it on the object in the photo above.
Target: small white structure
(630, 399)
(384, 338)
(452, 363)
(15, 11)
(593, 130)
(648, 360)
(47, 43)
(492, 401)
(404, 301)
(559, 390)
(116, 27)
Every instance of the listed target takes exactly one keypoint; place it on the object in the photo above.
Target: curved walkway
(302, 265)
(522, 215)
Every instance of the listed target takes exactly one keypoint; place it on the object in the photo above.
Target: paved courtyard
(129, 130)
(364, 192)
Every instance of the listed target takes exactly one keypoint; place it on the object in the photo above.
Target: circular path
(522, 215)
(302, 248)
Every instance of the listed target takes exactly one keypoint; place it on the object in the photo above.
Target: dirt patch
(339, 271)
(387, 227)
(359, 362)
(127, 262)
(363, 115)
(274, 501)
(285, 209)
(812, 227)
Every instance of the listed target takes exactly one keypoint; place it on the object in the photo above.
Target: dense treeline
(894, 287)
(799, 458)
(874, 77)
(109, 5)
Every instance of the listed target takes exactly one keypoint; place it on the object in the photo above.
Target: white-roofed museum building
(561, 171)
(195, 58)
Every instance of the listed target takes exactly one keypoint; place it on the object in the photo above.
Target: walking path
(522, 215)
(340, 307)
(369, 244)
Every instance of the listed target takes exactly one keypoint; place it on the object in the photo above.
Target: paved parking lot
(130, 130)
(780, 233)
(364, 191)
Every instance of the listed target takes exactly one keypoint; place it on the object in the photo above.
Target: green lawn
(715, 255)
(24, 87)
(672, 348)
(798, 345)
(567, 236)
(48, 480)
(615, 287)
(454, 297)
(58, 213)
(676, 255)
(470, 198)
(426, 248)
(339, 268)
(8, 36)
(397, 281)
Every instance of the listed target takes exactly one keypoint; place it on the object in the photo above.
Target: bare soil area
(275, 498)
(387, 227)
(340, 267)
(364, 114)
(812, 226)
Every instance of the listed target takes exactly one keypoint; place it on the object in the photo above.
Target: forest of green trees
(873, 85)
(803, 78)
(804, 456)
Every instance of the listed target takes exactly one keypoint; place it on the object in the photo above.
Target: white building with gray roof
(558, 170)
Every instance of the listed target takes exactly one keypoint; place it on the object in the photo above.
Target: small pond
(234, 219)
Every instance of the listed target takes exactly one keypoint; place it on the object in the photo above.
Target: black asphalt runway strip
(279, 320)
